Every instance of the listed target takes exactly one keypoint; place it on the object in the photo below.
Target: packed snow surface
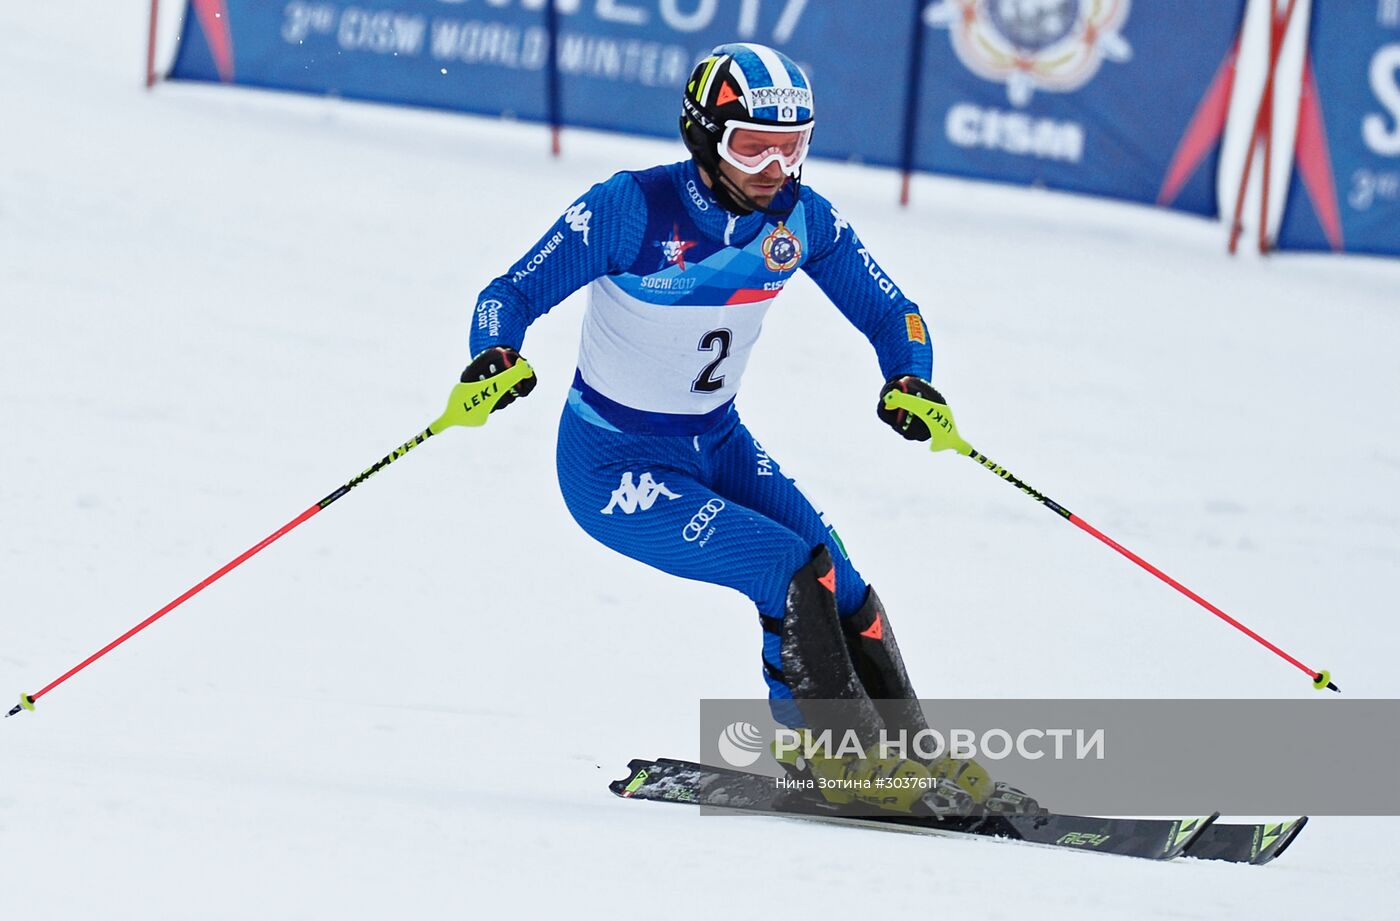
(218, 305)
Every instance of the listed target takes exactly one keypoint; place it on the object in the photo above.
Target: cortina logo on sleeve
(578, 216)
(638, 496)
(488, 316)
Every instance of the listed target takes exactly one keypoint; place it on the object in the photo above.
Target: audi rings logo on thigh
(695, 528)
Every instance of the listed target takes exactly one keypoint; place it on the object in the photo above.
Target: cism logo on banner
(1382, 131)
(1052, 45)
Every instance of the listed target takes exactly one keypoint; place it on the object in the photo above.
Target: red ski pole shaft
(190, 593)
(943, 436)
(1321, 679)
(27, 701)
(469, 404)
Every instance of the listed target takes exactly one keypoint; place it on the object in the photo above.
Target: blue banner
(622, 63)
(477, 57)
(1109, 97)
(1096, 96)
(856, 55)
(1345, 193)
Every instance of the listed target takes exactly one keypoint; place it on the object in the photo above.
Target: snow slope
(218, 305)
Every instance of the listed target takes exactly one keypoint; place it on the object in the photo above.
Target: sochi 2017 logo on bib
(781, 250)
(1052, 45)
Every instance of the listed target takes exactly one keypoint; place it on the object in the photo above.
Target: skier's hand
(911, 407)
(490, 362)
(902, 421)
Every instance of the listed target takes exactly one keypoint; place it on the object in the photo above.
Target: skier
(682, 263)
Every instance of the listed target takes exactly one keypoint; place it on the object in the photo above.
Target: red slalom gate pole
(1263, 124)
(939, 420)
(1278, 31)
(151, 45)
(469, 405)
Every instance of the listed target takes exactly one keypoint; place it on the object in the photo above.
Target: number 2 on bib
(714, 340)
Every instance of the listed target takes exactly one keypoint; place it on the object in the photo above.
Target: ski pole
(469, 405)
(939, 419)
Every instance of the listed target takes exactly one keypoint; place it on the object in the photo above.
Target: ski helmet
(755, 92)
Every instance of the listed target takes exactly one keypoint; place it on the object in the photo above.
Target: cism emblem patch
(1052, 45)
(781, 250)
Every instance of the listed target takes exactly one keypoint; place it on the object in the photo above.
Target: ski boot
(843, 783)
(993, 797)
(875, 655)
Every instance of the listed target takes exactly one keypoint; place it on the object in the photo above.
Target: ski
(1234, 843)
(668, 780)
(1253, 844)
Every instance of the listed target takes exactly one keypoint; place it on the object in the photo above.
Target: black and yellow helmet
(745, 86)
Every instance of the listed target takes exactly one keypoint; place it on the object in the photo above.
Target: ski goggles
(749, 148)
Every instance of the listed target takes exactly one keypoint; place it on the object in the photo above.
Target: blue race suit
(652, 458)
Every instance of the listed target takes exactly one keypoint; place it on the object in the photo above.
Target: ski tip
(1283, 835)
(1188, 832)
(636, 776)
